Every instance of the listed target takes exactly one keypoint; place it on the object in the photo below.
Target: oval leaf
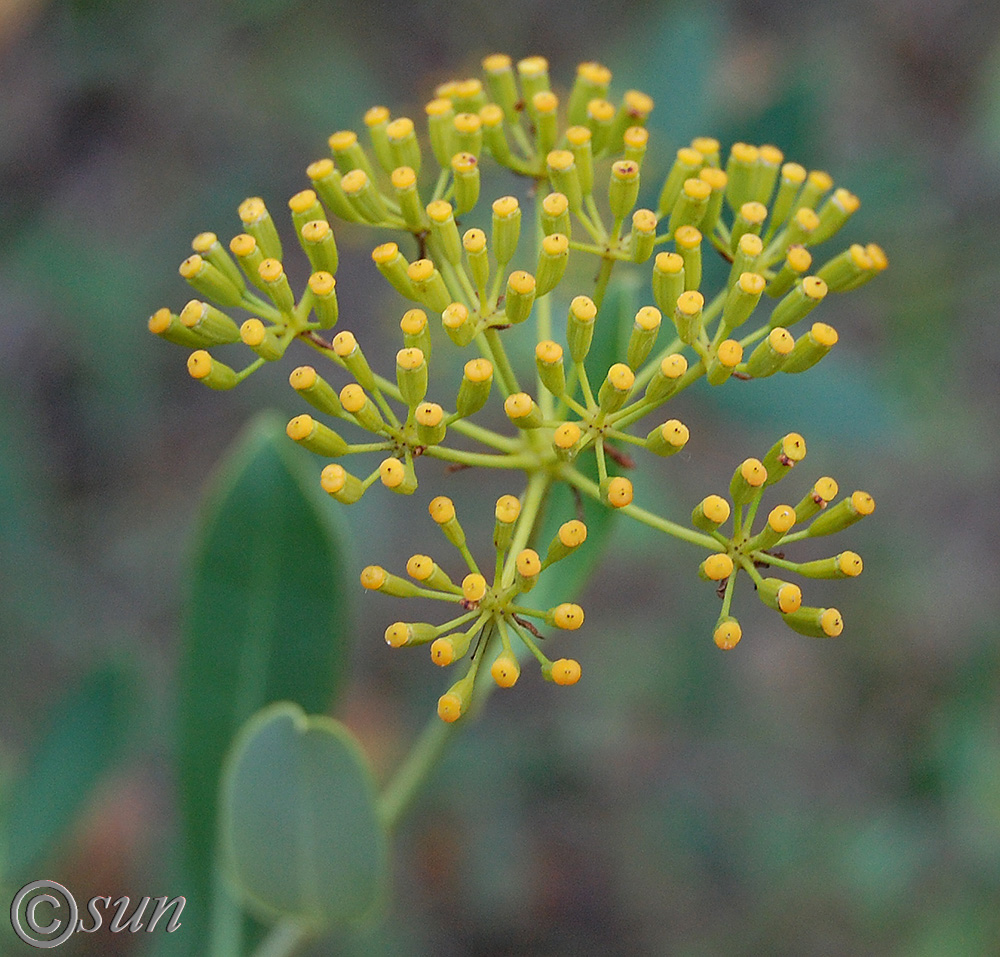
(300, 829)
(267, 619)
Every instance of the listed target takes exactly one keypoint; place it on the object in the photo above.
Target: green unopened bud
(533, 72)
(687, 239)
(316, 390)
(690, 206)
(798, 232)
(592, 82)
(467, 95)
(315, 436)
(687, 315)
(666, 378)
(798, 259)
(377, 121)
(441, 128)
(424, 569)
(214, 374)
(501, 84)
(838, 208)
(376, 578)
(668, 281)
(328, 182)
(549, 362)
(564, 177)
(747, 257)
(742, 299)
(642, 239)
(468, 135)
(403, 143)
(844, 269)
(750, 220)
(404, 184)
(276, 284)
(748, 481)
(442, 510)
(477, 378)
(429, 285)
(783, 455)
(416, 331)
(305, 208)
(211, 325)
(506, 229)
(687, 164)
(806, 296)
(740, 169)
(465, 168)
(406, 633)
(727, 633)
(458, 324)
(494, 134)
(478, 258)
(634, 110)
(815, 622)
(791, 179)
(444, 230)
(623, 189)
(668, 438)
(366, 200)
(394, 266)
(600, 117)
(716, 568)
(399, 477)
(337, 482)
(320, 246)
(842, 515)
(765, 173)
(324, 304)
(508, 508)
(347, 348)
(645, 327)
(411, 375)
(782, 596)
(717, 181)
(349, 153)
(845, 565)
(543, 107)
(522, 410)
(431, 428)
(635, 139)
(727, 356)
(566, 441)
(355, 401)
(269, 342)
(568, 539)
(248, 254)
(207, 246)
(615, 388)
(258, 223)
(810, 348)
(519, 297)
(555, 215)
(168, 326)
(552, 259)
(210, 281)
(823, 492)
(780, 520)
(710, 513)
(767, 358)
(580, 327)
(527, 567)
(579, 141)
(709, 147)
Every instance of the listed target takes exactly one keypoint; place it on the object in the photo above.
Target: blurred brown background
(793, 797)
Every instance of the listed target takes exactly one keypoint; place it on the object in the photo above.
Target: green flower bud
(444, 230)
(376, 578)
(767, 358)
(716, 568)
(429, 285)
(717, 181)
(635, 140)
(211, 325)
(578, 141)
(727, 633)
(838, 208)
(815, 622)
(691, 204)
(365, 199)
(845, 565)
(305, 208)
(403, 145)
(779, 522)
(442, 510)
(210, 281)
(750, 220)
(501, 84)
(316, 390)
(269, 342)
(533, 72)
(645, 328)
(431, 428)
(404, 183)
(823, 492)
(782, 456)
(564, 177)
(568, 539)
(338, 483)
(615, 388)
(765, 173)
(592, 82)
(666, 378)
(805, 297)
(258, 223)
(324, 291)
(478, 258)
(441, 128)
(167, 325)
(668, 438)
(634, 110)
(207, 246)
(740, 170)
(457, 323)
(494, 134)
(215, 374)
(247, 252)
(552, 259)
(377, 121)
(519, 297)
(746, 258)
(687, 239)
(580, 327)
(347, 348)
(600, 117)
(315, 436)
(465, 168)
(792, 177)
(327, 181)
(687, 164)
(810, 348)
(727, 356)
(797, 262)
(394, 266)
(748, 481)
(424, 569)
(468, 135)
(782, 596)
(506, 229)
(742, 299)
(349, 153)
(549, 362)
(842, 515)
(555, 215)
(710, 513)
(642, 239)
(687, 315)
(320, 246)
(623, 189)
(668, 281)
(411, 375)
(543, 107)
(276, 284)
(355, 401)
(477, 377)
(398, 477)
(507, 510)
(416, 331)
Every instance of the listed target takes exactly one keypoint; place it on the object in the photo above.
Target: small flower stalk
(491, 277)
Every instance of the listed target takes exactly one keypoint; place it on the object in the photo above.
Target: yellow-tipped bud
(442, 510)
(842, 515)
(465, 169)
(355, 400)
(822, 492)
(815, 622)
(727, 633)
(431, 427)
(710, 513)
(505, 671)
(473, 587)
(528, 566)
(549, 362)
(555, 214)
(728, 355)
(666, 378)
(645, 327)
(623, 190)
(668, 438)
(748, 481)
(616, 492)
(522, 410)
(214, 374)
(210, 325)
(376, 578)
(810, 348)
(258, 223)
(716, 567)
(687, 315)
(520, 296)
(615, 388)
(211, 281)
(477, 378)
(580, 327)
(337, 482)
(564, 671)
(779, 522)
(845, 565)
(782, 596)
(552, 259)
(567, 616)
(783, 455)
(315, 436)
(767, 358)
(571, 535)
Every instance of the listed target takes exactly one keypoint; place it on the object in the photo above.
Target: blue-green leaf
(300, 829)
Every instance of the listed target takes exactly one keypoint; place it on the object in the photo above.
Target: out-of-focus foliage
(792, 797)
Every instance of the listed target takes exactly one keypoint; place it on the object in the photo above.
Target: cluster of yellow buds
(491, 612)
(474, 287)
(749, 551)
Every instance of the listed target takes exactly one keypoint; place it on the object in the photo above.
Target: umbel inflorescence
(580, 158)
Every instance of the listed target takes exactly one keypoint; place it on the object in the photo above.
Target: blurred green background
(793, 797)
